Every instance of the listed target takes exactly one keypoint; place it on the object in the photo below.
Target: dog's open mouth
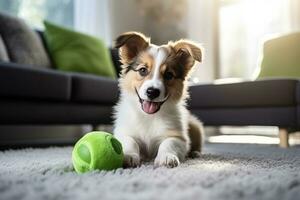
(150, 107)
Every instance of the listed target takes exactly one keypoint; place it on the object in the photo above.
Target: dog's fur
(160, 128)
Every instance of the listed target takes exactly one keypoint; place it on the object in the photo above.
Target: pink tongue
(150, 107)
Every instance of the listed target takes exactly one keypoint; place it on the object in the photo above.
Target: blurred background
(231, 31)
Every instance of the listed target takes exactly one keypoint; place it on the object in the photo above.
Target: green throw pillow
(77, 52)
(281, 57)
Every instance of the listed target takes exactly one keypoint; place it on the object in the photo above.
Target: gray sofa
(32, 91)
(272, 102)
(41, 96)
(34, 94)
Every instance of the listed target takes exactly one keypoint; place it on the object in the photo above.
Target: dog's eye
(143, 71)
(168, 76)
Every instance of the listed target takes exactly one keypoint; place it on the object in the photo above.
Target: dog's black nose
(152, 93)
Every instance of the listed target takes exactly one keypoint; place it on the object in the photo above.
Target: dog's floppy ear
(186, 52)
(188, 47)
(131, 44)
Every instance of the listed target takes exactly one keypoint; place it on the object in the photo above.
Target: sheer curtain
(245, 25)
(294, 14)
(92, 17)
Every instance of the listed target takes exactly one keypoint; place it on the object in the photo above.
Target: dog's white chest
(147, 130)
(149, 135)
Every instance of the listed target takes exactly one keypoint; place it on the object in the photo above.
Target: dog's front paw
(131, 160)
(167, 159)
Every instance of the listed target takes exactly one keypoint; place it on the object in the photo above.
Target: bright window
(35, 11)
(243, 26)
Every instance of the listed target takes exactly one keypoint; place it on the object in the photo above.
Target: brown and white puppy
(151, 119)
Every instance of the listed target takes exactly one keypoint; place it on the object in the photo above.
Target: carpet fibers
(225, 171)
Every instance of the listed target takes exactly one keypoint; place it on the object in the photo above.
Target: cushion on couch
(246, 116)
(78, 52)
(94, 89)
(268, 93)
(281, 57)
(23, 44)
(49, 112)
(23, 82)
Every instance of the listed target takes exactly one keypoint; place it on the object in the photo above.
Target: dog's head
(155, 74)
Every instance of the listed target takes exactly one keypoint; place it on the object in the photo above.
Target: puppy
(151, 119)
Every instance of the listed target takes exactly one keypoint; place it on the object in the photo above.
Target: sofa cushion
(95, 89)
(23, 44)
(47, 112)
(281, 57)
(265, 116)
(28, 82)
(272, 92)
(3, 51)
(78, 52)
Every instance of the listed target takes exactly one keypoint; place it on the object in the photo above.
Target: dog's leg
(131, 151)
(171, 152)
(196, 134)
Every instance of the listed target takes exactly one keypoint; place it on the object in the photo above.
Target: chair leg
(283, 138)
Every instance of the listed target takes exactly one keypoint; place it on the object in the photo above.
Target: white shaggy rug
(225, 171)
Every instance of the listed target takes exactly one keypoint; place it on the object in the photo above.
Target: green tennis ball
(97, 150)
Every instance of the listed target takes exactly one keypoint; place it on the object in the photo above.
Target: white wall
(93, 17)
(200, 29)
(124, 17)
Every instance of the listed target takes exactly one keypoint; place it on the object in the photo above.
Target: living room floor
(225, 171)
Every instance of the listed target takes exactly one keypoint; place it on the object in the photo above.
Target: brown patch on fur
(193, 49)
(130, 82)
(131, 44)
(180, 61)
(176, 89)
(132, 79)
(185, 53)
(175, 86)
(146, 59)
(195, 133)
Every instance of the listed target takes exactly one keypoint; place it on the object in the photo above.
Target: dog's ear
(131, 44)
(188, 47)
(186, 52)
